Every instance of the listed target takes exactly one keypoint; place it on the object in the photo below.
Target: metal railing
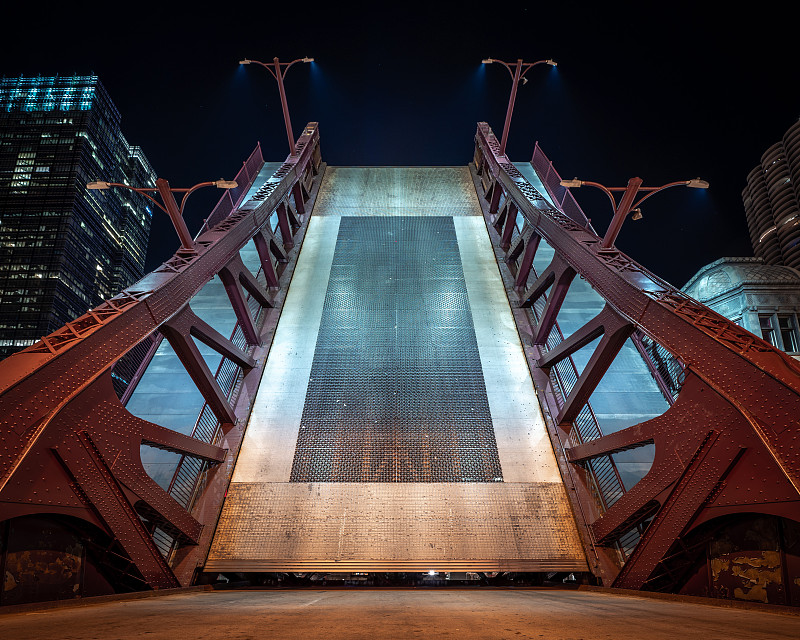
(231, 198)
(560, 196)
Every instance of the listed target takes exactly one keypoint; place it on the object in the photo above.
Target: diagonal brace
(531, 246)
(209, 336)
(267, 266)
(616, 331)
(97, 483)
(178, 335)
(162, 438)
(630, 438)
(710, 464)
(237, 278)
(579, 339)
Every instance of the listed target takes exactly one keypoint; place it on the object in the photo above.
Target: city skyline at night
(666, 96)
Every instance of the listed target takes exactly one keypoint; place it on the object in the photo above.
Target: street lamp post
(520, 68)
(626, 202)
(169, 206)
(278, 70)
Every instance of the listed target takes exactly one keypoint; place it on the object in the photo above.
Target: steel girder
(730, 444)
(68, 445)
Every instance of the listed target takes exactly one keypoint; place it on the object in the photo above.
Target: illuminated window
(767, 330)
(787, 325)
(780, 330)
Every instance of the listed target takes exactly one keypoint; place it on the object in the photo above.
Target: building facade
(762, 298)
(772, 202)
(63, 248)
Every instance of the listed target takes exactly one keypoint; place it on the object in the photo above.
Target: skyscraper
(772, 202)
(63, 249)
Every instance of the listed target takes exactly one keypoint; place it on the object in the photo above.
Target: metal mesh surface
(397, 191)
(396, 392)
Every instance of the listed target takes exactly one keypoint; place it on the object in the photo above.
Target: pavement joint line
(39, 607)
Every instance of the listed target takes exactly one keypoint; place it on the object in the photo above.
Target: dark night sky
(669, 93)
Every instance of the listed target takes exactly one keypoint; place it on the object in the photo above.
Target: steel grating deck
(396, 427)
(396, 392)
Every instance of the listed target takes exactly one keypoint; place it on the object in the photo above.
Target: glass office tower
(64, 249)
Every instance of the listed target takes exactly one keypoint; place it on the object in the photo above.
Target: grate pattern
(396, 392)
(397, 191)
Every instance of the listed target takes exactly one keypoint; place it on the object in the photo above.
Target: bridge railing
(560, 196)
(735, 411)
(231, 198)
(67, 444)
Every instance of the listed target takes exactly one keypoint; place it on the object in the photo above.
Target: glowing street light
(626, 203)
(278, 70)
(520, 68)
(169, 206)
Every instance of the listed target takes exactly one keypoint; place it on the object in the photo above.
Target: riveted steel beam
(67, 444)
(735, 412)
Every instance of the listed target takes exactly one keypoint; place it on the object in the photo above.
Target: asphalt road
(398, 613)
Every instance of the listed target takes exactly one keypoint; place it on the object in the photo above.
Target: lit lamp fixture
(169, 206)
(278, 70)
(225, 184)
(626, 204)
(520, 68)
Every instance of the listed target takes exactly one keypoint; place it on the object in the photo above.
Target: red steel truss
(730, 443)
(67, 444)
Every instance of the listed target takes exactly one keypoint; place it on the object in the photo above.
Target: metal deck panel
(396, 526)
(397, 191)
(269, 523)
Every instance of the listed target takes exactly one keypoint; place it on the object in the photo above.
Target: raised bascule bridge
(361, 371)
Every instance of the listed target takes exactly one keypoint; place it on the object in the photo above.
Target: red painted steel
(730, 444)
(67, 444)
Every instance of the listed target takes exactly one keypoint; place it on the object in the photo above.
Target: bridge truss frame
(728, 445)
(69, 447)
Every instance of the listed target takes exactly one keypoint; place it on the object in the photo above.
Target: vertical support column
(527, 260)
(235, 275)
(262, 247)
(495, 193)
(510, 223)
(283, 224)
(299, 197)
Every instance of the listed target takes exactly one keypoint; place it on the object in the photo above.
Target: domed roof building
(762, 298)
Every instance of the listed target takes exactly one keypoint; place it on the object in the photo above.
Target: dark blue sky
(668, 93)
